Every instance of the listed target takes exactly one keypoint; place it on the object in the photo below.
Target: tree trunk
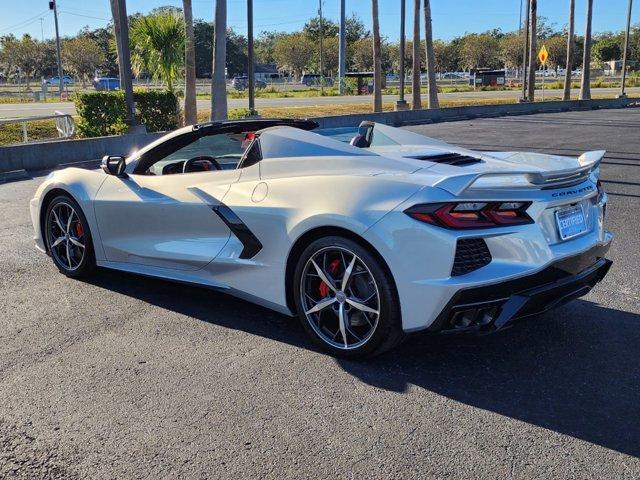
(415, 75)
(431, 58)
(218, 77)
(533, 54)
(585, 86)
(567, 76)
(190, 108)
(377, 66)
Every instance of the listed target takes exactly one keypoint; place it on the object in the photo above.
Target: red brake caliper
(79, 229)
(333, 268)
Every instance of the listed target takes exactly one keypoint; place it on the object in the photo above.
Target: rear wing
(512, 179)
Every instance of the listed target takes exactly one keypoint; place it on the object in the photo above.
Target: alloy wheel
(66, 236)
(340, 298)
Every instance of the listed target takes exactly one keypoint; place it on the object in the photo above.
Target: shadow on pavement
(574, 371)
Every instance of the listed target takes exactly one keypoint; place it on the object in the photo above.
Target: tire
(63, 238)
(369, 305)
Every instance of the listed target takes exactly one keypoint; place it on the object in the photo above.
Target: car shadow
(574, 371)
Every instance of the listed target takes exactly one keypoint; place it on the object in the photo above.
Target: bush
(104, 113)
(157, 110)
(101, 113)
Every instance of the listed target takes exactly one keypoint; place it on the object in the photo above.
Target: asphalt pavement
(23, 110)
(125, 377)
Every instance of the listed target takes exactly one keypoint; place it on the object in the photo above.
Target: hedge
(104, 113)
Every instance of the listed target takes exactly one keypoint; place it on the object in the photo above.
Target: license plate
(571, 222)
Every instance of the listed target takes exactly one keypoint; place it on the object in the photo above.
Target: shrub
(101, 113)
(157, 110)
(104, 113)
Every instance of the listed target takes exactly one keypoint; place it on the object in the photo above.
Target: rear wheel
(346, 299)
(68, 237)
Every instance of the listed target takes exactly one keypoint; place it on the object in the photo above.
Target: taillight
(461, 215)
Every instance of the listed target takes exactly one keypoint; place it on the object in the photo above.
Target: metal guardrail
(65, 125)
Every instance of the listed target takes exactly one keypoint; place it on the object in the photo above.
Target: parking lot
(121, 376)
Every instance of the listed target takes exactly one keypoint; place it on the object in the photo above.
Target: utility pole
(54, 7)
(626, 50)
(342, 60)
(533, 29)
(401, 104)
(250, 69)
(321, 59)
(121, 27)
(525, 56)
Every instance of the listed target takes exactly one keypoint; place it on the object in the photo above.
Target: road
(121, 376)
(22, 110)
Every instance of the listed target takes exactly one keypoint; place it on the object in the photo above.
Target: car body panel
(195, 227)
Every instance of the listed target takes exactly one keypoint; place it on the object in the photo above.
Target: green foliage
(157, 47)
(157, 110)
(239, 113)
(104, 113)
(101, 113)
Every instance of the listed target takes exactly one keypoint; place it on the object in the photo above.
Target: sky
(450, 17)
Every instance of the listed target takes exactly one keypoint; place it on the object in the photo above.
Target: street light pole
(401, 104)
(342, 60)
(250, 69)
(54, 7)
(525, 56)
(626, 50)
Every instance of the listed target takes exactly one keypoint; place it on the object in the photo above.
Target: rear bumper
(492, 307)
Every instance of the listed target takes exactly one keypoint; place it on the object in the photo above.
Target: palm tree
(567, 76)
(431, 58)
(218, 78)
(585, 86)
(158, 47)
(533, 55)
(190, 106)
(377, 66)
(415, 76)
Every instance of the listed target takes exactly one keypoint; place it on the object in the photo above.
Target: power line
(26, 22)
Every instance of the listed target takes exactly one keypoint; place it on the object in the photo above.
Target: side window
(253, 155)
(226, 149)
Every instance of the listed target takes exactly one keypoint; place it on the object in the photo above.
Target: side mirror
(114, 165)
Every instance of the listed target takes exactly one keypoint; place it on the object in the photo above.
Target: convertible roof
(284, 141)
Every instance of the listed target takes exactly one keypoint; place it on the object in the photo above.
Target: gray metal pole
(125, 63)
(250, 69)
(525, 55)
(55, 18)
(342, 61)
(626, 50)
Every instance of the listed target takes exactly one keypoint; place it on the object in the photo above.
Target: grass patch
(36, 130)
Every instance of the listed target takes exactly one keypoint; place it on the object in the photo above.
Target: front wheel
(346, 299)
(68, 237)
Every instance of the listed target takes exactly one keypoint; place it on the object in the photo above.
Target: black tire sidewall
(88, 261)
(389, 323)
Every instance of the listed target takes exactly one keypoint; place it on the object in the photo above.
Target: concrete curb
(452, 114)
(14, 175)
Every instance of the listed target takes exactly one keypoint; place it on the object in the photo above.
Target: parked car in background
(312, 79)
(452, 75)
(66, 80)
(106, 83)
(241, 82)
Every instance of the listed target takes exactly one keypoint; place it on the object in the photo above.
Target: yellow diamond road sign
(543, 55)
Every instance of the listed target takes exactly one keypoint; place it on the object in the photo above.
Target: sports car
(366, 234)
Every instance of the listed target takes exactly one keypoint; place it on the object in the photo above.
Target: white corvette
(365, 241)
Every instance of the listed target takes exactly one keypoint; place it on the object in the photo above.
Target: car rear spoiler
(513, 179)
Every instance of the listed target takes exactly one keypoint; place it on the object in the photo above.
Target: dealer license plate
(571, 221)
